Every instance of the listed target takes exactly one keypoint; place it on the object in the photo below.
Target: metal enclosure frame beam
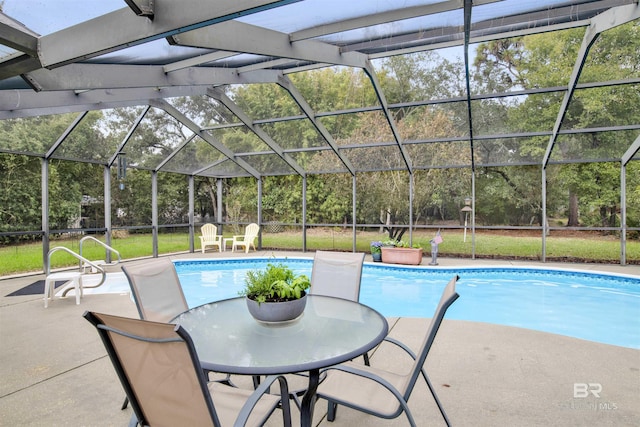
(106, 176)
(175, 151)
(96, 36)
(354, 210)
(220, 96)
(44, 192)
(626, 158)
(16, 36)
(192, 209)
(605, 21)
(467, 35)
(288, 85)
(240, 37)
(65, 134)
(304, 213)
(381, 18)
(128, 136)
(154, 212)
(371, 72)
(172, 111)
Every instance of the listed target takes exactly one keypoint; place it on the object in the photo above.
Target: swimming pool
(595, 307)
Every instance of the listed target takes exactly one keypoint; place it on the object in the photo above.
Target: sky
(47, 16)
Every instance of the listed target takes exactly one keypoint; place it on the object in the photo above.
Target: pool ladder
(85, 267)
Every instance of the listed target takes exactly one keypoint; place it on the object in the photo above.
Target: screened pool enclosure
(416, 115)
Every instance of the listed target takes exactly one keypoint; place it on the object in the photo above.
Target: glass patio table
(330, 331)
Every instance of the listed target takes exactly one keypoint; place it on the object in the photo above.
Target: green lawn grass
(28, 257)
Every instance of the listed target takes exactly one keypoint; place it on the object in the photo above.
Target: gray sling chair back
(383, 393)
(338, 274)
(159, 369)
(156, 290)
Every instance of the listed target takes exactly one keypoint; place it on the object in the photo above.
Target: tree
(547, 60)
(20, 200)
(68, 180)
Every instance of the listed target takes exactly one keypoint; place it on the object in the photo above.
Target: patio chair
(210, 237)
(334, 274)
(159, 368)
(337, 274)
(156, 290)
(380, 392)
(247, 239)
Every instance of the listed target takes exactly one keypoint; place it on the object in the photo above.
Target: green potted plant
(376, 251)
(389, 243)
(276, 293)
(400, 252)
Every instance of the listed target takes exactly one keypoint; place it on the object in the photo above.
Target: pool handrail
(82, 260)
(107, 247)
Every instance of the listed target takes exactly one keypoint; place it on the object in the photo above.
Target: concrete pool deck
(55, 371)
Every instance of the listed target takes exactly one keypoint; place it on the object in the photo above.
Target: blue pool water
(595, 307)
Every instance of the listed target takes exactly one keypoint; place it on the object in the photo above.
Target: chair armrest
(264, 388)
(402, 345)
(371, 376)
(410, 353)
(239, 237)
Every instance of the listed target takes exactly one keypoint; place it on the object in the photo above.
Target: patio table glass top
(330, 331)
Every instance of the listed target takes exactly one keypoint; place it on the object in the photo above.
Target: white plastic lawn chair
(210, 237)
(246, 240)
